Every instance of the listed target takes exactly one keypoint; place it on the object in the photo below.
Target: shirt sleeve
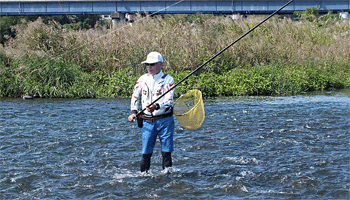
(168, 98)
(136, 97)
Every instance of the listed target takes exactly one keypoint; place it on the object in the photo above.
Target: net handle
(216, 55)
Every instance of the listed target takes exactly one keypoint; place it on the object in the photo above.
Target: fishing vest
(148, 88)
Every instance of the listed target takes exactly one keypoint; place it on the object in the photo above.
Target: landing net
(189, 109)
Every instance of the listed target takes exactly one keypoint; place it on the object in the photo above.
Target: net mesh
(189, 109)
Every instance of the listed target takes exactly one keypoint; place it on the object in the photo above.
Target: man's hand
(151, 108)
(132, 117)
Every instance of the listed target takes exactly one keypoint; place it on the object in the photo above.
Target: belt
(152, 119)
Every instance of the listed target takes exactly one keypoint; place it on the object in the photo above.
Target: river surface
(247, 148)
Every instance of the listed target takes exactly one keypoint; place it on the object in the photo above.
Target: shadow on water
(248, 147)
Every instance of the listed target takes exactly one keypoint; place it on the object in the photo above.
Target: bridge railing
(55, 7)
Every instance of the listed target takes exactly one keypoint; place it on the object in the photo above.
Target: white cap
(153, 57)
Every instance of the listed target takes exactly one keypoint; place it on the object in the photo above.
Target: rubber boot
(166, 160)
(145, 162)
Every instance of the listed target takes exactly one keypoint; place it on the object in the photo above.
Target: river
(294, 147)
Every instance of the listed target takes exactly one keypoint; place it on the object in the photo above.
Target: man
(158, 120)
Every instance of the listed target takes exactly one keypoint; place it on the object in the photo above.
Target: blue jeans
(164, 129)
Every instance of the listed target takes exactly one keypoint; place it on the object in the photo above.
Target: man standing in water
(157, 119)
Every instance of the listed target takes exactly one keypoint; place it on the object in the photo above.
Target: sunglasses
(150, 64)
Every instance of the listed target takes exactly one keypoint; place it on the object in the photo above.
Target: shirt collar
(160, 74)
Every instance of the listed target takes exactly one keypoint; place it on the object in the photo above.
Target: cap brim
(149, 62)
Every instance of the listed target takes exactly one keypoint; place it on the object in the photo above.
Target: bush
(47, 77)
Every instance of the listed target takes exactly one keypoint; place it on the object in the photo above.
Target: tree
(79, 21)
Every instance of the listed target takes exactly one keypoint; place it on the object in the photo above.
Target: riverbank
(282, 57)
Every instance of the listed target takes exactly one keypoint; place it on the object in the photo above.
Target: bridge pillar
(344, 15)
(130, 17)
(117, 18)
(237, 17)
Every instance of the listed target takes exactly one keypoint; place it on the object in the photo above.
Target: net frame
(190, 112)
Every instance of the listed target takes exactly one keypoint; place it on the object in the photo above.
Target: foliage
(48, 77)
(267, 80)
(329, 16)
(6, 32)
(8, 82)
(72, 22)
(282, 57)
(310, 14)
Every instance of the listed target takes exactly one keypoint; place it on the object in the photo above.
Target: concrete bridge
(58, 7)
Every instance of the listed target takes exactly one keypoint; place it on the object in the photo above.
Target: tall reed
(186, 42)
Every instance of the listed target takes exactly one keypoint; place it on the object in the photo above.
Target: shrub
(48, 77)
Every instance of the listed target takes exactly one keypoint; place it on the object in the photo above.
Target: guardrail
(54, 7)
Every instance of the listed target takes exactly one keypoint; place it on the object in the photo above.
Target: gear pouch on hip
(139, 121)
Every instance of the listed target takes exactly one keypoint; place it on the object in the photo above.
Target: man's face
(154, 68)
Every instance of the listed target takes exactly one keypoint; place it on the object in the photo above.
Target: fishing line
(67, 15)
(112, 32)
(98, 38)
(216, 55)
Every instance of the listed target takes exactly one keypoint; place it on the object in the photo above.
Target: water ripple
(254, 147)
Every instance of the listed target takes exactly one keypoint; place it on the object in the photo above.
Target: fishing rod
(216, 55)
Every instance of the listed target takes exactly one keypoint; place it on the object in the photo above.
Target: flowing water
(248, 147)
